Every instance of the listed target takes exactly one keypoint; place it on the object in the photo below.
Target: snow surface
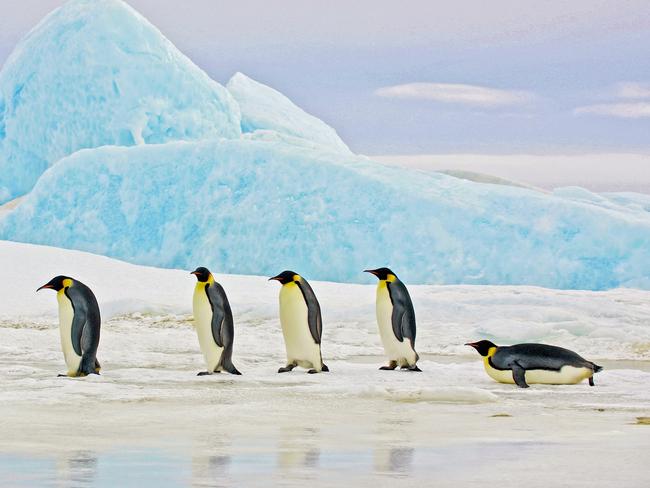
(263, 108)
(326, 216)
(149, 415)
(93, 73)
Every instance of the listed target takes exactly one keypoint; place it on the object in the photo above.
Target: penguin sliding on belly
(302, 325)
(214, 323)
(396, 321)
(79, 324)
(534, 363)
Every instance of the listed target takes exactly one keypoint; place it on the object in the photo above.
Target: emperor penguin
(214, 323)
(534, 363)
(396, 321)
(79, 324)
(302, 325)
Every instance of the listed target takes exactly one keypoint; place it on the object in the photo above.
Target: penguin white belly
(298, 340)
(567, 375)
(394, 349)
(66, 314)
(203, 324)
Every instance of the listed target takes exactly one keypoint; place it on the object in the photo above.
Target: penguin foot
(205, 373)
(415, 368)
(325, 369)
(591, 381)
(287, 368)
(312, 371)
(60, 375)
(391, 366)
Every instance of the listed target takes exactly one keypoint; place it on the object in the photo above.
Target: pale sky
(426, 77)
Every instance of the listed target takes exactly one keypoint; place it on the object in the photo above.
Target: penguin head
(382, 273)
(57, 283)
(202, 274)
(286, 277)
(483, 347)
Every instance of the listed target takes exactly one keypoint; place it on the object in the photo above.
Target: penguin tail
(228, 366)
(596, 367)
(89, 365)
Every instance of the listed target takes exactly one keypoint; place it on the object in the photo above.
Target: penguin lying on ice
(534, 363)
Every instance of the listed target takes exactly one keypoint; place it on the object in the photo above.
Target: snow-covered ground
(149, 420)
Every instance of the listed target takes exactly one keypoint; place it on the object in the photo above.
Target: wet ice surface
(149, 421)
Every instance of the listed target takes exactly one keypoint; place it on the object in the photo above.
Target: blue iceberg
(253, 207)
(141, 156)
(95, 73)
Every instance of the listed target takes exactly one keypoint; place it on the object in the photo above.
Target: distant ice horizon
(597, 172)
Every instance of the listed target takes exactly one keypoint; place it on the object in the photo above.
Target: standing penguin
(79, 323)
(534, 363)
(214, 323)
(302, 325)
(396, 321)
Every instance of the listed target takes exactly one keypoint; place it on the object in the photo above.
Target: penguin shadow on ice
(396, 321)
(302, 324)
(214, 323)
(79, 325)
(524, 364)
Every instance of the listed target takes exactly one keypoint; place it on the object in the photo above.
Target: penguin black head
(57, 283)
(286, 277)
(381, 273)
(483, 347)
(202, 274)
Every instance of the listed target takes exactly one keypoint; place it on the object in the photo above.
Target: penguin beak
(45, 286)
(473, 344)
(194, 273)
(276, 278)
(371, 271)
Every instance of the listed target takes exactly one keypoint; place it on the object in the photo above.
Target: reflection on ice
(398, 460)
(77, 469)
(298, 448)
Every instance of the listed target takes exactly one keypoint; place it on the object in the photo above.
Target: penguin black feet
(591, 381)
(415, 368)
(391, 366)
(206, 373)
(325, 369)
(312, 371)
(287, 368)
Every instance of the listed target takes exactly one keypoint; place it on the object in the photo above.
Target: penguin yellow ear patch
(296, 278)
(67, 282)
(391, 277)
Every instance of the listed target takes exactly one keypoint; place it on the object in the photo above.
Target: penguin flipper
(403, 316)
(519, 375)
(313, 310)
(218, 314)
